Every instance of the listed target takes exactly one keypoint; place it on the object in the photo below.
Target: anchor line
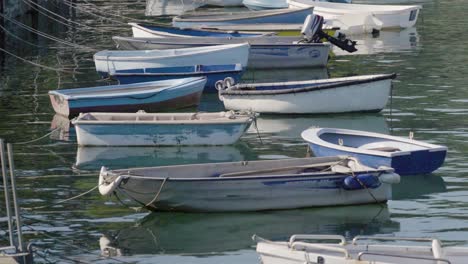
(37, 64)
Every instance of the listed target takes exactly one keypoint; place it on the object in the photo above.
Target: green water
(430, 99)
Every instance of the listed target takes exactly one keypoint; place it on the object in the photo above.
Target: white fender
(107, 188)
(390, 178)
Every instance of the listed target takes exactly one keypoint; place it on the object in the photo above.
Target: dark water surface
(430, 99)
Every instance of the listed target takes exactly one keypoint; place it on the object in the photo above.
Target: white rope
(37, 64)
(62, 201)
(157, 194)
(42, 34)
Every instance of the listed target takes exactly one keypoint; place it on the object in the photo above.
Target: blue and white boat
(161, 31)
(406, 155)
(252, 185)
(108, 61)
(212, 73)
(288, 16)
(161, 129)
(148, 96)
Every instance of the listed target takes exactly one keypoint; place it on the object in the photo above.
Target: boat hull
(219, 72)
(373, 98)
(186, 95)
(261, 56)
(416, 162)
(410, 157)
(159, 135)
(386, 16)
(217, 195)
(111, 62)
(286, 17)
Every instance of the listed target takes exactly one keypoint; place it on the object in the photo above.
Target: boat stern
(59, 103)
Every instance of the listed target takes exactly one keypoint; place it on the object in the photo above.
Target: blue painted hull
(416, 162)
(297, 17)
(127, 77)
(200, 32)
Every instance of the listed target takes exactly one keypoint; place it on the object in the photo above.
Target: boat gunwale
(237, 90)
(114, 94)
(312, 136)
(144, 27)
(197, 51)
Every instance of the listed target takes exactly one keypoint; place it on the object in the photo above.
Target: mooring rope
(113, 14)
(37, 64)
(62, 201)
(42, 34)
(22, 40)
(38, 9)
(157, 194)
(72, 5)
(37, 139)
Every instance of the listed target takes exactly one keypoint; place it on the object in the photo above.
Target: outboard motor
(313, 33)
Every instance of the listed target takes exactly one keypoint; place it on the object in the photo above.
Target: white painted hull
(111, 61)
(142, 129)
(289, 56)
(251, 185)
(353, 98)
(370, 16)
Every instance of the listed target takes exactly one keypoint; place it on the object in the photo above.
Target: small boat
(385, 16)
(160, 31)
(406, 155)
(366, 93)
(172, 7)
(289, 16)
(277, 4)
(148, 96)
(361, 250)
(160, 129)
(111, 61)
(252, 185)
(279, 29)
(212, 73)
(265, 52)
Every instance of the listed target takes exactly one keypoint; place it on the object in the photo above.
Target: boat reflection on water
(385, 42)
(92, 158)
(283, 75)
(416, 186)
(195, 234)
(292, 126)
(65, 130)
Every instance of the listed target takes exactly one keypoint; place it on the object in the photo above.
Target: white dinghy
(160, 129)
(108, 61)
(366, 93)
(299, 250)
(369, 16)
(252, 185)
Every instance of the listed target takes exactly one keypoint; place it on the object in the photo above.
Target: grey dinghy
(252, 185)
(265, 52)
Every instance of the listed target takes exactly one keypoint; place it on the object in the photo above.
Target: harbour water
(430, 98)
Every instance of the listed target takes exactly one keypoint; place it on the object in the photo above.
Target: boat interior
(337, 164)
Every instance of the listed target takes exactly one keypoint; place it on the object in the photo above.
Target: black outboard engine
(313, 33)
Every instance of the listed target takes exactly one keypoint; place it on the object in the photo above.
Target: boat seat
(390, 146)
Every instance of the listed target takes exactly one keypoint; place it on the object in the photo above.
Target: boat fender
(107, 188)
(390, 178)
(360, 182)
(219, 85)
(229, 81)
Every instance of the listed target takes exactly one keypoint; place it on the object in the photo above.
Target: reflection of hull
(172, 7)
(65, 130)
(179, 233)
(427, 184)
(387, 41)
(293, 126)
(124, 157)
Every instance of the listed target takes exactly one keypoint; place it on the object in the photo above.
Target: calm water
(430, 99)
